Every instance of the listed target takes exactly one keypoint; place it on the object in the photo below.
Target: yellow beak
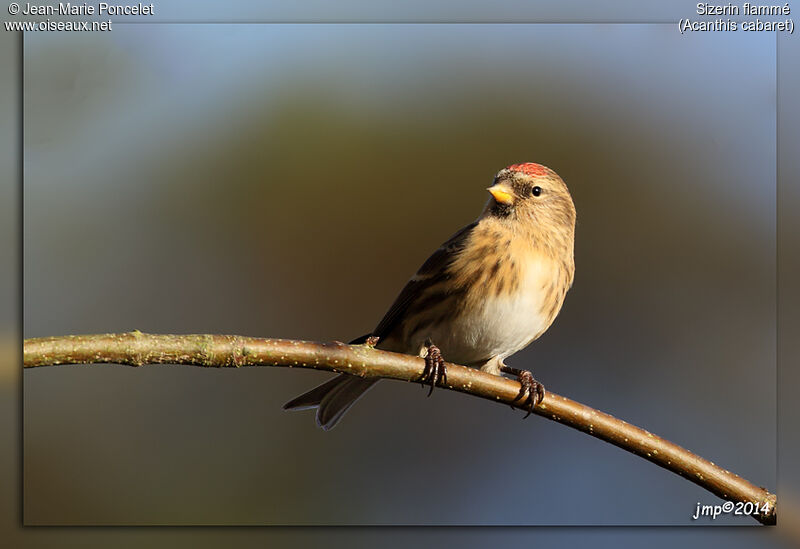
(501, 194)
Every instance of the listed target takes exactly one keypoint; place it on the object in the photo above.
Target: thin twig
(222, 351)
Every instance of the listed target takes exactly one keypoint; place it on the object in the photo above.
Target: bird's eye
(536, 191)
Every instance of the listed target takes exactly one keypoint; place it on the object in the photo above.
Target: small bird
(489, 291)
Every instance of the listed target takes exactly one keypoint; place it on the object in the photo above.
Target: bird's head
(533, 195)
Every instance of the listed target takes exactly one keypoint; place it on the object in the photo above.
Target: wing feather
(434, 270)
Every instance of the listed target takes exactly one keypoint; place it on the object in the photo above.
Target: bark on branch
(222, 351)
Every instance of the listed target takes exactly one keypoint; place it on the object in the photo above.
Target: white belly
(500, 326)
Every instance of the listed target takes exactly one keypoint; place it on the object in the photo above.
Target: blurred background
(285, 180)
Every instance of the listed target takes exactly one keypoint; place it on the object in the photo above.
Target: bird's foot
(371, 341)
(435, 370)
(531, 392)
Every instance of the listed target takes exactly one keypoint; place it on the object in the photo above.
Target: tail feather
(340, 399)
(312, 398)
(332, 399)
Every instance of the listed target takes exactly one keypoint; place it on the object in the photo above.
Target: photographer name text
(102, 8)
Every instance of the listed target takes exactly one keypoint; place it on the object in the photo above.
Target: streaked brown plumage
(489, 291)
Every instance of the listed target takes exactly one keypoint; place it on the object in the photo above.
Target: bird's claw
(531, 392)
(435, 370)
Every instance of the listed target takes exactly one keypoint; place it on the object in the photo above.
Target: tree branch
(221, 351)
